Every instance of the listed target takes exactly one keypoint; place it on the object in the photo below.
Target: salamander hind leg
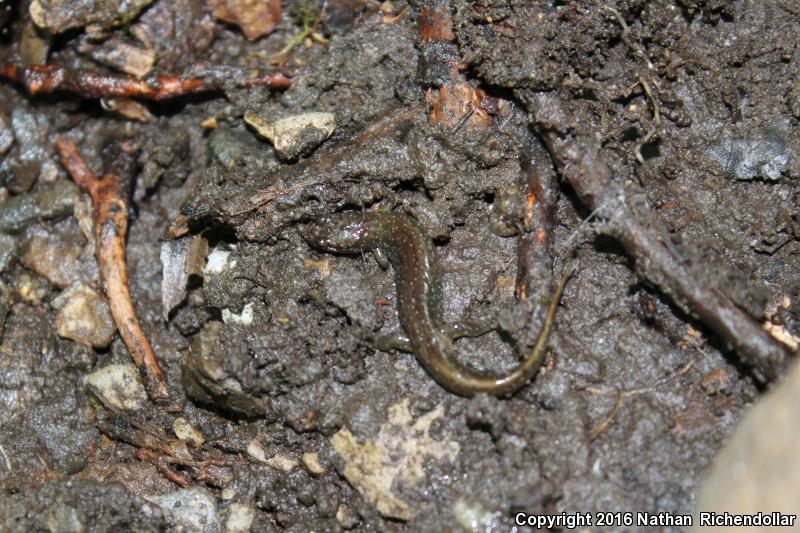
(394, 341)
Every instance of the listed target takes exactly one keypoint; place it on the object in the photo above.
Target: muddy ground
(270, 355)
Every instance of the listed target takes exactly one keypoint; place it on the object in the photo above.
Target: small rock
(31, 132)
(55, 259)
(49, 201)
(793, 99)
(58, 16)
(282, 462)
(473, 517)
(6, 134)
(128, 108)
(84, 316)
(346, 518)
(120, 55)
(240, 518)
(245, 318)
(312, 464)
(256, 451)
(185, 431)
(31, 289)
(759, 152)
(231, 147)
(193, 509)
(50, 171)
(508, 210)
(119, 385)
(64, 519)
(323, 266)
(294, 136)
(278, 461)
(206, 383)
(218, 262)
(8, 250)
(34, 45)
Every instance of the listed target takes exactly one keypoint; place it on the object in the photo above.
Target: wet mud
(296, 421)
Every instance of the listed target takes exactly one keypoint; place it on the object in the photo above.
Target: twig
(534, 253)
(626, 34)
(111, 228)
(602, 426)
(151, 456)
(626, 393)
(628, 218)
(386, 126)
(622, 394)
(91, 84)
(656, 120)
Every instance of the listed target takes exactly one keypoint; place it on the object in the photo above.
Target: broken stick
(90, 84)
(110, 200)
(623, 207)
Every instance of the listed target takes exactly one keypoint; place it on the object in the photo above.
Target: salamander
(419, 296)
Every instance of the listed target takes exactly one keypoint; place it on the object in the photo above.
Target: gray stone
(8, 250)
(193, 509)
(6, 134)
(58, 16)
(762, 152)
(52, 200)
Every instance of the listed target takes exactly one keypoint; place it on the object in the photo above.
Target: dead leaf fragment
(459, 104)
(256, 18)
(123, 56)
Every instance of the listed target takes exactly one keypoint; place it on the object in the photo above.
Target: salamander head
(351, 232)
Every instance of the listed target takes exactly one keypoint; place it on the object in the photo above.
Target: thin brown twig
(111, 228)
(90, 84)
(155, 458)
(626, 34)
(386, 126)
(535, 254)
(603, 426)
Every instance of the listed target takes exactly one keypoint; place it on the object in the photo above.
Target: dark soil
(621, 417)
